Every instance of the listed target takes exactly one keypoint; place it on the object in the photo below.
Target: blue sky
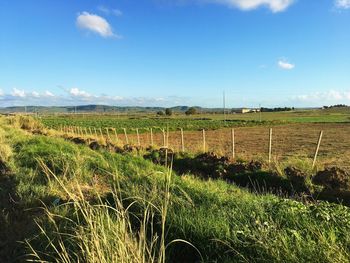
(175, 52)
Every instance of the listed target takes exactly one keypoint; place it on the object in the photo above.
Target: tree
(168, 112)
(160, 113)
(191, 111)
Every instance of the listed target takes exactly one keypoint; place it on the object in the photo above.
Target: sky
(175, 52)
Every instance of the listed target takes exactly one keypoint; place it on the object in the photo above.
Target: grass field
(295, 134)
(196, 122)
(99, 206)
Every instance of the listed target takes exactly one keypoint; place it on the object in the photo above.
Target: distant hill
(99, 109)
(116, 109)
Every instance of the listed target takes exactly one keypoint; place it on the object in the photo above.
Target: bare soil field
(291, 140)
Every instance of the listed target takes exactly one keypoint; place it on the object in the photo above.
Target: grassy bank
(108, 207)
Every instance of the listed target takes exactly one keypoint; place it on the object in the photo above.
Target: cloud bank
(325, 97)
(76, 96)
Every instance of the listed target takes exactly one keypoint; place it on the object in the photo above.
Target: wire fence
(329, 145)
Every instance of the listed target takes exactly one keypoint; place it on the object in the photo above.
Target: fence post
(163, 137)
(116, 134)
(126, 136)
(151, 137)
(204, 146)
(233, 143)
(101, 133)
(138, 137)
(317, 148)
(167, 136)
(109, 138)
(270, 145)
(182, 141)
(96, 136)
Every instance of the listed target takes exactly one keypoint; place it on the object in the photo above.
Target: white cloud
(274, 5)
(49, 94)
(109, 11)
(76, 96)
(1, 92)
(18, 93)
(75, 92)
(117, 12)
(35, 94)
(342, 4)
(96, 24)
(285, 65)
(325, 96)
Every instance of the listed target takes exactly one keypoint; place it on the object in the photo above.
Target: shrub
(168, 112)
(191, 111)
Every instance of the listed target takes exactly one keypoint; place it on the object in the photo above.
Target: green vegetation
(174, 123)
(197, 121)
(108, 207)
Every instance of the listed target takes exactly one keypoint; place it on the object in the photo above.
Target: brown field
(291, 140)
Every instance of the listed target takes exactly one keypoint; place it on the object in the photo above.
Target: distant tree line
(276, 109)
(335, 106)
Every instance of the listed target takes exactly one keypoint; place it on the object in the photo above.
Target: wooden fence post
(317, 148)
(270, 145)
(182, 140)
(151, 136)
(163, 137)
(109, 138)
(101, 133)
(204, 146)
(233, 143)
(116, 134)
(126, 136)
(167, 136)
(96, 136)
(138, 137)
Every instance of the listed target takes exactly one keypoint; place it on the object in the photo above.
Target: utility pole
(260, 112)
(224, 105)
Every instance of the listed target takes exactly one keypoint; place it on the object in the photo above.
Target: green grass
(224, 222)
(195, 122)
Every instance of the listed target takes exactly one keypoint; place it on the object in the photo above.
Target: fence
(272, 143)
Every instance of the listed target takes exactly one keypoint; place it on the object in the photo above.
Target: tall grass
(103, 231)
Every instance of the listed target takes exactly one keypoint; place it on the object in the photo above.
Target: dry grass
(289, 141)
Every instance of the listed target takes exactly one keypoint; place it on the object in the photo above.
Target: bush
(168, 112)
(191, 111)
(160, 113)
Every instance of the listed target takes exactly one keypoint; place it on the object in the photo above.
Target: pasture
(63, 202)
(295, 134)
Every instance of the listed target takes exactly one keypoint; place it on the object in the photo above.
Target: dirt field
(292, 140)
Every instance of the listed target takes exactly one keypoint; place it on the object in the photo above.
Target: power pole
(260, 112)
(224, 105)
